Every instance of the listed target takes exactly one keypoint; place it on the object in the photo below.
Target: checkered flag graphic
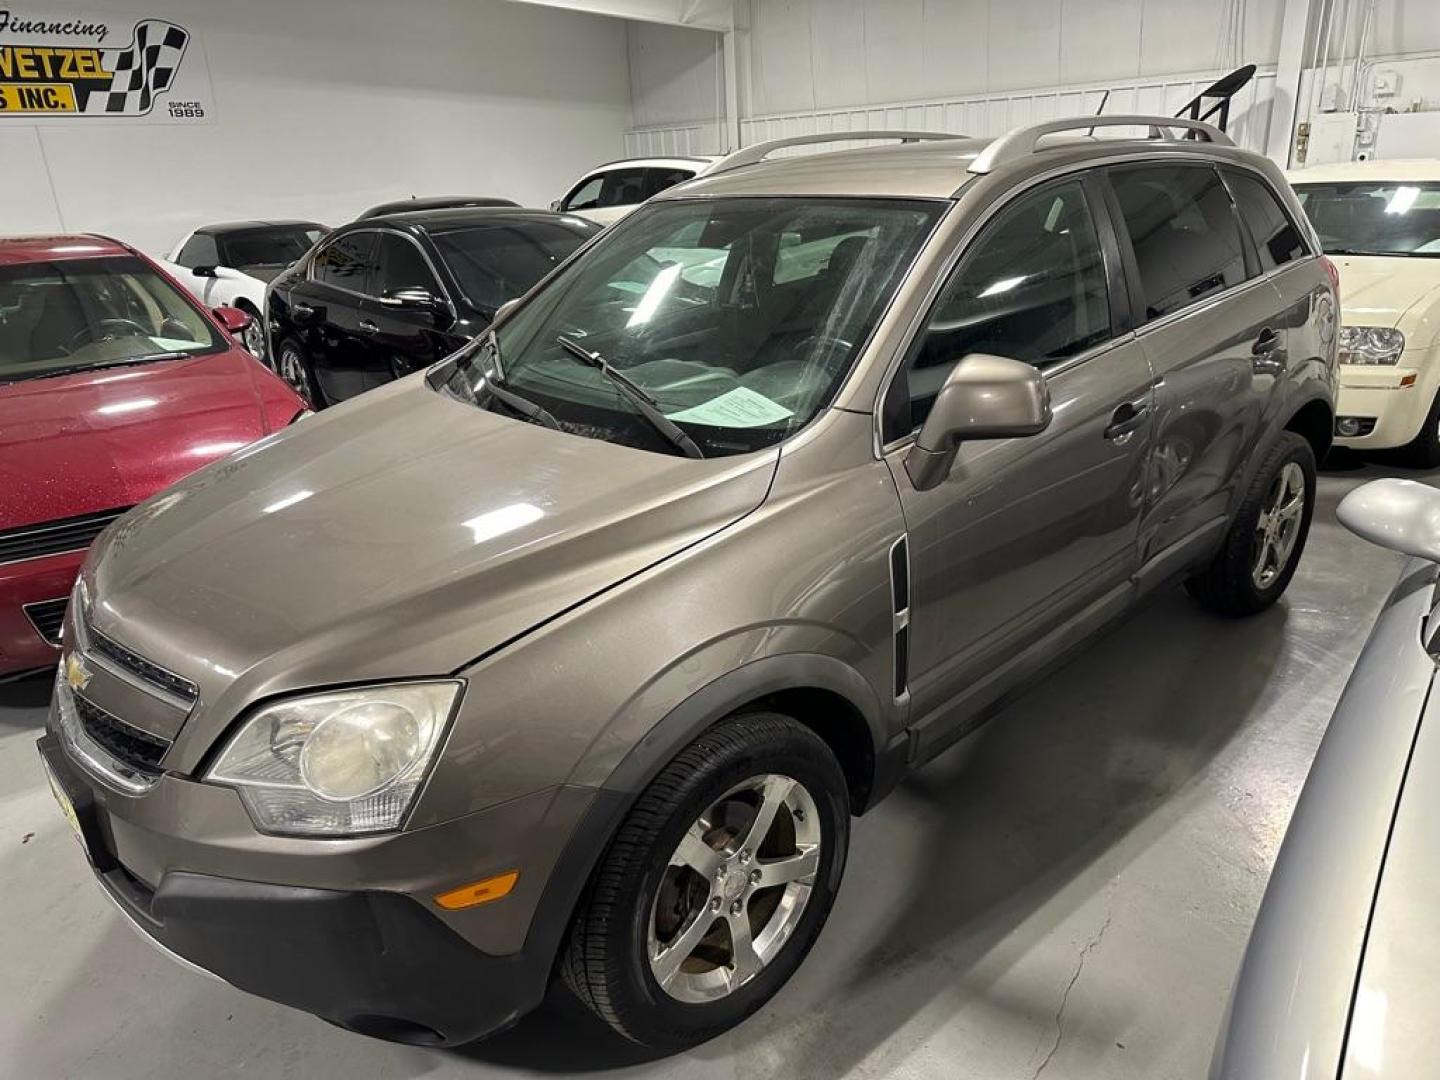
(142, 71)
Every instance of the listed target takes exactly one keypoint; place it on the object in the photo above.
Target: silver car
(1342, 973)
(578, 651)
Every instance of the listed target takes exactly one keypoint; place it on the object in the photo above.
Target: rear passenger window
(1184, 231)
(1031, 287)
(1275, 235)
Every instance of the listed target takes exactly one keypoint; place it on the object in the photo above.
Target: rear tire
(1263, 546)
(652, 950)
(292, 365)
(1423, 451)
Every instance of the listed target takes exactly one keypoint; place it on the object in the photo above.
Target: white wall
(676, 74)
(1404, 27)
(982, 66)
(322, 109)
(965, 65)
(820, 54)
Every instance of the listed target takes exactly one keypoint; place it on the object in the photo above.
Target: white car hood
(1391, 291)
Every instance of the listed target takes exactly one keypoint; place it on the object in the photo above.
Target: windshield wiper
(647, 406)
(497, 385)
(148, 357)
(76, 369)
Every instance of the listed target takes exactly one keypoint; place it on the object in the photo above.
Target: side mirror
(983, 397)
(204, 271)
(506, 308)
(1401, 515)
(555, 206)
(233, 320)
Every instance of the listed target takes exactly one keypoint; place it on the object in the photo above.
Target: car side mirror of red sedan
(233, 319)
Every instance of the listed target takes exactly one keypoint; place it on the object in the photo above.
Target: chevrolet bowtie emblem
(76, 673)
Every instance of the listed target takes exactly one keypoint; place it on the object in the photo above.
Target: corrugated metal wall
(981, 114)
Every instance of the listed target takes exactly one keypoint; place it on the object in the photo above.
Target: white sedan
(230, 265)
(1380, 222)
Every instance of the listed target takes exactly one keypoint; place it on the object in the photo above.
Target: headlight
(1370, 345)
(337, 764)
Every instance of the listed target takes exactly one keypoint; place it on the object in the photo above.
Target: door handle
(1266, 343)
(1125, 420)
(368, 327)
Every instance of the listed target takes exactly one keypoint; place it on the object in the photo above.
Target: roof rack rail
(1024, 141)
(750, 155)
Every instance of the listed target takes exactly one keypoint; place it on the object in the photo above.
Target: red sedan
(114, 384)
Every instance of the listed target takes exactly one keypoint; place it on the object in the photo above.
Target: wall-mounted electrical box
(1332, 138)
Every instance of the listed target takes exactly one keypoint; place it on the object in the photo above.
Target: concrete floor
(1067, 895)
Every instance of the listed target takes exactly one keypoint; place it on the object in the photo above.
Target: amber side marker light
(479, 892)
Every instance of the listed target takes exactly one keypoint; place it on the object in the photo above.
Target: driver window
(1031, 287)
(199, 250)
(403, 267)
(346, 261)
(586, 196)
(624, 187)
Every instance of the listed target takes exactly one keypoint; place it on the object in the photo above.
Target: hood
(1380, 290)
(401, 534)
(101, 440)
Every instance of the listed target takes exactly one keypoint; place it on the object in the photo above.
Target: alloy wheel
(254, 339)
(1279, 525)
(735, 889)
(292, 370)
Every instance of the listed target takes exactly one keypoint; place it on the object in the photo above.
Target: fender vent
(900, 609)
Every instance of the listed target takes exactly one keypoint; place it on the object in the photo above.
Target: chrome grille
(138, 749)
(54, 537)
(47, 617)
(130, 663)
(82, 735)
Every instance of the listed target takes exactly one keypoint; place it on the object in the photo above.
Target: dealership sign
(69, 66)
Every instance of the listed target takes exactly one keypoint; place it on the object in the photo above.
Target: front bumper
(369, 956)
(1381, 393)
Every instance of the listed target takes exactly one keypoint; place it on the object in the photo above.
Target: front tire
(1258, 558)
(1423, 451)
(715, 886)
(253, 337)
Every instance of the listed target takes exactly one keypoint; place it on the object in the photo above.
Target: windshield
(74, 314)
(1374, 218)
(738, 318)
(495, 263)
(268, 247)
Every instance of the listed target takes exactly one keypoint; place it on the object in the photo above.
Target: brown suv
(578, 651)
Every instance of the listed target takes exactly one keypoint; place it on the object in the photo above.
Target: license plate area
(77, 804)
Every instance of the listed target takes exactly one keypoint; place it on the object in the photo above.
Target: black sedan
(386, 296)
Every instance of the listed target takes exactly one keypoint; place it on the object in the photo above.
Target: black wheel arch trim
(736, 690)
(1275, 426)
(707, 706)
